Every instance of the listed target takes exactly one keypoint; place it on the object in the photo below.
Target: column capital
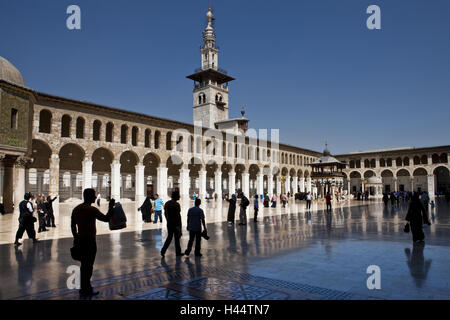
(23, 161)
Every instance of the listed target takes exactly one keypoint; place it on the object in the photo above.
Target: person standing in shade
(26, 220)
(158, 208)
(231, 209)
(84, 232)
(146, 210)
(308, 200)
(50, 213)
(417, 216)
(243, 210)
(195, 220)
(172, 212)
(328, 201)
(385, 199)
(256, 207)
(42, 212)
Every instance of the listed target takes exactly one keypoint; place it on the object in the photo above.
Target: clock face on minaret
(210, 94)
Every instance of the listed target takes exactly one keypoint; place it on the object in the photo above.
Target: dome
(10, 73)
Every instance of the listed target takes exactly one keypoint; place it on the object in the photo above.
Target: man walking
(26, 220)
(158, 208)
(50, 213)
(243, 210)
(172, 212)
(195, 220)
(84, 231)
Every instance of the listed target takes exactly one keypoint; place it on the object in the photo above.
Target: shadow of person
(25, 268)
(231, 233)
(418, 266)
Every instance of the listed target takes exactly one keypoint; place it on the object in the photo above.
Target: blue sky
(310, 67)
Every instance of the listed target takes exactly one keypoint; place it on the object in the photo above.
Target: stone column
(308, 185)
(87, 173)
(295, 185)
(54, 183)
(270, 185)
(19, 182)
(287, 185)
(349, 186)
(430, 183)
(278, 190)
(232, 182)
(218, 184)
(139, 184)
(184, 182)
(161, 184)
(395, 184)
(115, 180)
(260, 184)
(202, 184)
(246, 183)
(302, 184)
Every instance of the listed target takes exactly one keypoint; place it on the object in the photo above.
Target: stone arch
(300, 173)
(292, 172)
(147, 138)
(284, 171)
(369, 173)
(416, 160)
(424, 159)
(420, 171)
(443, 158)
(151, 162)
(157, 139)
(96, 128)
(387, 173)
(307, 174)
(66, 123)
(45, 121)
(134, 136)
(41, 153)
(71, 157)
(128, 161)
(124, 134)
(442, 177)
(79, 130)
(398, 162)
(382, 162)
(109, 132)
(102, 159)
(402, 172)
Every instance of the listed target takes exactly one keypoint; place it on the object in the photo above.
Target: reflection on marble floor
(285, 255)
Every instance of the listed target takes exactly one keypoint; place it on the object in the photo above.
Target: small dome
(10, 73)
(209, 15)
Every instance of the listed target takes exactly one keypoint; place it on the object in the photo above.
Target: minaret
(210, 82)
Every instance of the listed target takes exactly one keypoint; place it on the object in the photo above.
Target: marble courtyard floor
(288, 254)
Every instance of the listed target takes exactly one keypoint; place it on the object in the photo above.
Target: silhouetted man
(172, 212)
(26, 219)
(84, 231)
(243, 210)
(328, 201)
(195, 220)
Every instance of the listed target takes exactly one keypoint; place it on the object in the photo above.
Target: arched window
(398, 162)
(134, 136)
(424, 159)
(443, 158)
(389, 162)
(147, 138)
(169, 140)
(366, 163)
(96, 130)
(406, 161)
(416, 160)
(45, 121)
(372, 163)
(109, 132)
(157, 137)
(435, 158)
(179, 145)
(124, 134)
(80, 128)
(65, 126)
(382, 162)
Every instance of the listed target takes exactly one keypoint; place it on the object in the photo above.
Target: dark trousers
(243, 215)
(88, 248)
(41, 218)
(417, 231)
(172, 232)
(308, 204)
(197, 236)
(50, 219)
(29, 228)
(256, 214)
(328, 206)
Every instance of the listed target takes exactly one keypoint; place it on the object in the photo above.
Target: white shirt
(30, 207)
(308, 197)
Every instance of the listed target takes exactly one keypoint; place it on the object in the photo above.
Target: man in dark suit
(84, 231)
(195, 219)
(172, 212)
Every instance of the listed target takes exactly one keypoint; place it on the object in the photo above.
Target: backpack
(245, 202)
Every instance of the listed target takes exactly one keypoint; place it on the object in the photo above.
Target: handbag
(407, 228)
(75, 252)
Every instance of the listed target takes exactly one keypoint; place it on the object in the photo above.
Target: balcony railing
(210, 66)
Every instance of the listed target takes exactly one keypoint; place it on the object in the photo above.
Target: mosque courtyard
(290, 253)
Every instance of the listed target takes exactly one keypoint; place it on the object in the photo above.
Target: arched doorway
(195, 166)
(253, 174)
(355, 181)
(101, 171)
(151, 163)
(128, 162)
(404, 181)
(38, 174)
(387, 178)
(442, 180)
(71, 157)
(174, 164)
(420, 179)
